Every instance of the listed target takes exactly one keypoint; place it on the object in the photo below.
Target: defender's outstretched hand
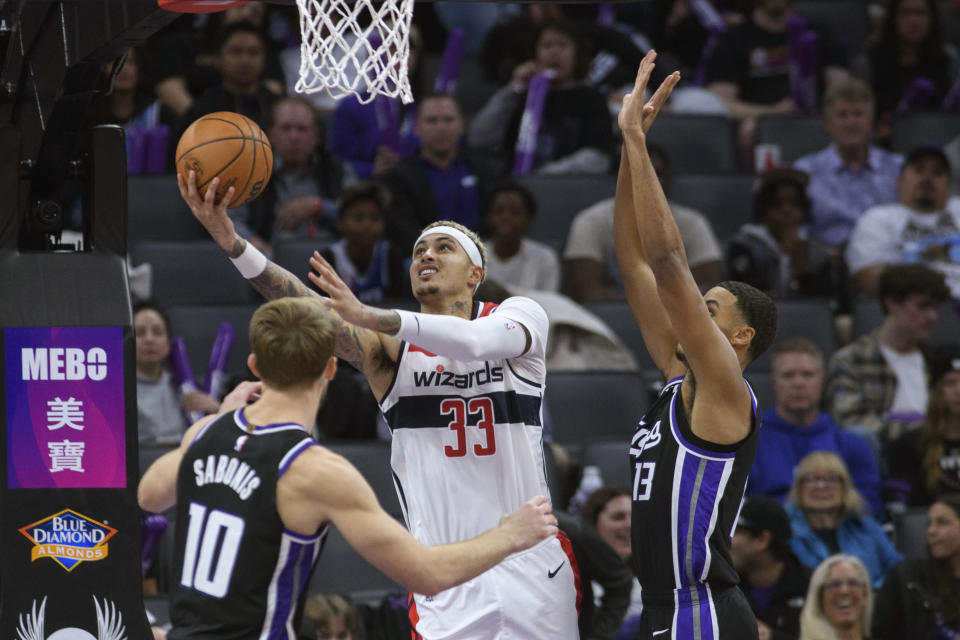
(531, 523)
(636, 116)
(212, 215)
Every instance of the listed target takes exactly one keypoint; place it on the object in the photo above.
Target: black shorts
(701, 614)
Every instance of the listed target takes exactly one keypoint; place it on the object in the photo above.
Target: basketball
(229, 146)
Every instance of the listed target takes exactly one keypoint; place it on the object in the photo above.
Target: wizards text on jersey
(441, 378)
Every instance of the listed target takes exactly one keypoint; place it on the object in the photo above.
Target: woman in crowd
(911, 46)
(828, 517)
(160, 410)
(921, 597)
(839, 601)
(576, 131)
(926, 462)
(608, 511)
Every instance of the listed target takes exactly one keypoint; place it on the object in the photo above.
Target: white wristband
(250, 263)
(409, 326)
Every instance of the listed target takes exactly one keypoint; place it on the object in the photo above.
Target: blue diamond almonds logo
(68, 538)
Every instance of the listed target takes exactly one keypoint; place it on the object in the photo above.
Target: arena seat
(197, 273)
(762, 384)
(372, 459)
(294, 256)
(726, 200)
(696, 143)
(611, 457)
(594, 404)
(617, 316)
(342, 570)
(559, 199)
(910, 533)
(198, 325)
(924, 128)
(847, 22)
(795, 135)
(155, 211)
(805, 318)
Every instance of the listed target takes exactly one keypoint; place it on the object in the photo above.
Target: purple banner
(530, 123)
(219, 355)
(707, 16)
(446, 80)
(386, 109)
(65, 407)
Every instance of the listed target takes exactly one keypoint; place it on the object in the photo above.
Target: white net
(357, 47)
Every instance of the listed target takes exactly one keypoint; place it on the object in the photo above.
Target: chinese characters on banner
(65, 407)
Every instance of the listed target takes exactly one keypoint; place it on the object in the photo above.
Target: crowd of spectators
(851, 440)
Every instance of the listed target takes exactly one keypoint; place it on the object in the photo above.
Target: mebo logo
(63, 364)
(68, 538)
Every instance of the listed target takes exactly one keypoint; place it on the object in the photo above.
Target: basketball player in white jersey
(693, 448)
(461, 385)
(255, 494)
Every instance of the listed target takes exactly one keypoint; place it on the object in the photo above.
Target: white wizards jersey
(467, 436)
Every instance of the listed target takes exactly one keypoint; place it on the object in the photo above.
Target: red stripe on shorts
(414, 617)
(568, 549)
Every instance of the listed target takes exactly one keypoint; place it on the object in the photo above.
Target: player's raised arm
(365, 350)
(508, 333)
(708, 352)
(638, 282)
(323, 487)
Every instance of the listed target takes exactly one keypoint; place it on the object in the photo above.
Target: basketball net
(357, 47)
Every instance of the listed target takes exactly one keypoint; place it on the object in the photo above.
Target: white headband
(473, 251)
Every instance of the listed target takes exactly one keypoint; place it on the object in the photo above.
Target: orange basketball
(229, 146)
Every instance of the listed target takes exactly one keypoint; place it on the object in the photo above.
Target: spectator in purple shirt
(439, 182)
(850, 175)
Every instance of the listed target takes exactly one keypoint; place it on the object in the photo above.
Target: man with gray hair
(850, 175)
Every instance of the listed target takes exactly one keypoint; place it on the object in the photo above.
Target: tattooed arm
(374, 354)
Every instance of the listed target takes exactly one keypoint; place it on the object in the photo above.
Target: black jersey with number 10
(238, 573)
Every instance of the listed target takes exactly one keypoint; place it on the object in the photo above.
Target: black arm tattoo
(276, 282)
(238, 247)
(385, 321)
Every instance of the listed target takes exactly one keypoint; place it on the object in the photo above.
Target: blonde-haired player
(255, 493)
(461, 385)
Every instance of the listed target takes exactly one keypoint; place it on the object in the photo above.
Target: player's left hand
(636, 116)
(243, 394)
(341, 297)
(530, 524)
(199, 402)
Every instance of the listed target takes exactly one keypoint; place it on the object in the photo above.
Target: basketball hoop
(357, 47)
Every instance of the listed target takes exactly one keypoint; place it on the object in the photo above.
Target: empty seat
(192, 274)
(811, 319)
(198, 326)
(910, 533)
(294, 256)
(696, 143)
(372, 459)
(612, 458)
(559, 199)
(727, 201)
(594, 404)
(867, 316)
(341, 570)
(617, 316)
(762, 384)
(795, 135)
(847, 22)
(155, 211)
(924, 128)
